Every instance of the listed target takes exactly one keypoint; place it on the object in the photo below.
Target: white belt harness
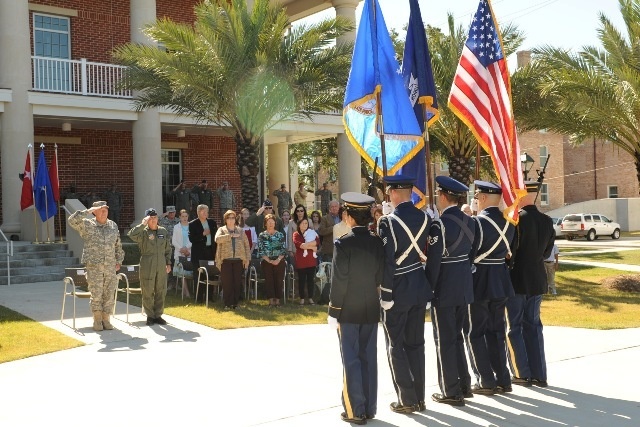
(502, 238)
(414, 239)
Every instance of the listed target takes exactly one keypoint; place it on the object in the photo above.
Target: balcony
(78, 77)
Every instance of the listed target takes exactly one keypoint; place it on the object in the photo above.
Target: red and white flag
(481, 97)
(26, 198)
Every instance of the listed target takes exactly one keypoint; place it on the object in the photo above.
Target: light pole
(527, 163)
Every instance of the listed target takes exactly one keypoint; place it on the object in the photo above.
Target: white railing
(78, 77)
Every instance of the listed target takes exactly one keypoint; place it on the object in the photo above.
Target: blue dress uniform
(533, 243)
(404, 235)
(491, 286)
(358, 262)
(449, 268)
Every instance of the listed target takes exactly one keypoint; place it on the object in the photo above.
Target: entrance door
(171, 175)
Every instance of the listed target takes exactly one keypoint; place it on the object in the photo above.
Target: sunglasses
(268, 207)
(299, 210)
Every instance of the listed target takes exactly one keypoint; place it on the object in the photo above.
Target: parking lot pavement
(188, 374)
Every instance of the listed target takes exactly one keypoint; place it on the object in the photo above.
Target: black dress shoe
(504, 389)
(487, 391)
(403, 409)
(355, 420)
(466, 393)
(370, 417)
(539, 383)
(160, 321)
(525, 382)
(449, 400)
(422, 406)
(149, 321)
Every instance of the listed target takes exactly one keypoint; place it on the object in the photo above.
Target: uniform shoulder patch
(433, 240)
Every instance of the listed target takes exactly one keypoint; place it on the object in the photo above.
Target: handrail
(9, 244)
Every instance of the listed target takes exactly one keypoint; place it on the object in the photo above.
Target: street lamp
(527, 163)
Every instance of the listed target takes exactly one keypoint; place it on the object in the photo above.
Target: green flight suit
(155, 255)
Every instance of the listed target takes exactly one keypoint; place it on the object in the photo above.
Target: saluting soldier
(182, 197)
(284, 199)
(155, 264)
(491, 287)
(405, 293)
(102, 255)
(449, 268)
(354, 308)
(533, 243)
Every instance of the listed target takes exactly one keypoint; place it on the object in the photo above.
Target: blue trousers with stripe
(404, 336)
(447, 335)
(358, 348)
(525, 340)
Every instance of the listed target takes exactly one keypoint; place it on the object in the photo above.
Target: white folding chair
(128, 274)
(209, 270)
(186, 267)
(75, 277)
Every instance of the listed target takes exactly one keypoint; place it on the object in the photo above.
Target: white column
(146, 131)
(349, 176)
(16, 123)
(278, 161)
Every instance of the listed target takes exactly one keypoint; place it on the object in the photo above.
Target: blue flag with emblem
(374, 69)
(44, 201)
(418, 79)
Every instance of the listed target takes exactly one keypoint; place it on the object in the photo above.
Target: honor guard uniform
(491, 288)
(405, 293)
(449, 269)
(533, 243)
(358, 262)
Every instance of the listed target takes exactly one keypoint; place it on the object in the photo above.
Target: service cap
(353, 200)
(532, 186)
(487, 187)
(150, 212)
(451, 186)
(397, 182)
(267, 202)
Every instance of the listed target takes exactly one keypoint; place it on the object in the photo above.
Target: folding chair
(254, 280)
(291, 278)
(209, 270)
(187, 272)
(75, 278)
(128, 274)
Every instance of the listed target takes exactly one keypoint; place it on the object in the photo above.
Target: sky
(570, 24)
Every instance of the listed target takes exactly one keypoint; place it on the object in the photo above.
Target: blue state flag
(44, 201)
(418, 79)
(374, 69)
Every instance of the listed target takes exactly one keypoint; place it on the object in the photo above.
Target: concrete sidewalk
(185, 374)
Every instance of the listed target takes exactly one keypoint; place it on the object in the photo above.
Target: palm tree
(244, 70)
(449, 135)
(594, 93)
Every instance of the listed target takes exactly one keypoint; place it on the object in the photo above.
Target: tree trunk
(637, 162)
(248, 168)
(460, 168)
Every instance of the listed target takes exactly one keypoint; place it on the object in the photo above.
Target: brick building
(57, 86)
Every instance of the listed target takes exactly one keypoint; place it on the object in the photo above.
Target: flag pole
(379, 120)
(427, 155)
(46, 207)
(477, 160)
(33, 196)
(58, 201)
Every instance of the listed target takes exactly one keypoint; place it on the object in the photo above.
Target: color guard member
(405, 293)
(358, 262)
(449, 268)
(491, 287)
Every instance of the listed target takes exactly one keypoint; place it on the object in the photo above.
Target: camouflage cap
(99, 204)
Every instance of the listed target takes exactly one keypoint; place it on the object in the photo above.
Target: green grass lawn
(623, 257)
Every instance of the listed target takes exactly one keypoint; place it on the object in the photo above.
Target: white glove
(387, 208)
(474, 205)
(433, 213)
(428, 305)
(386, 305)
(332, 322)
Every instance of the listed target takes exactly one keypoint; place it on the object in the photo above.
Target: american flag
(481, 97)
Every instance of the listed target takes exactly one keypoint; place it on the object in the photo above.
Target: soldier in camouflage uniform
(102, 256)
(155, 264)
(284, 199)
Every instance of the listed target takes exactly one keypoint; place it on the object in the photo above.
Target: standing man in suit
(354, 309)
(449, 268)
(491, 288)
(405, 293)
(201, 235)
(533, 243)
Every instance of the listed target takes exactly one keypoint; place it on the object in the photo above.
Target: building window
(612, 191)
(544, 195)
(544, 154)
(171, 174)
(51, 39)
(444, 166)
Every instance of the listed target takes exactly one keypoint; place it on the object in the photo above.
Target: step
(20, 247)
(32, 278)
(39, 254)
(38, 262)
